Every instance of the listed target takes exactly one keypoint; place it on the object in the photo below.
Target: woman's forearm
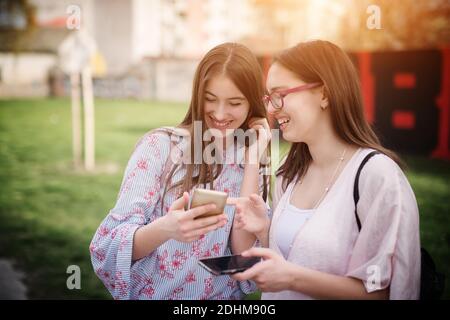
(321, 285)
(242, 240)
(147, 238)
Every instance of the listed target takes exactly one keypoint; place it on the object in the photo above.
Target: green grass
(49, 212)
(430, 180)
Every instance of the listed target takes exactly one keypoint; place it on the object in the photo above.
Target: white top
(291, 220)
(386, 252)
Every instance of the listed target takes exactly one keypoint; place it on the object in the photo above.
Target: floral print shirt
(171, 271)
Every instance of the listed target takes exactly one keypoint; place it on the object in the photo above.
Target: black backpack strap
(355, 186)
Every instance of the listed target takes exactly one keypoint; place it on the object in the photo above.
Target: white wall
(174, 79)
(25, 74)
(146, 29)
(113, 33)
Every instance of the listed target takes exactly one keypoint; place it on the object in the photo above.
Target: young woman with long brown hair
(316, 248)
(148, 246)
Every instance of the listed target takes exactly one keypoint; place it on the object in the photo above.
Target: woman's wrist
(148, 237)
(263, 235)
(293, 276)
(163, 225)
(250, 160)
(253, 156)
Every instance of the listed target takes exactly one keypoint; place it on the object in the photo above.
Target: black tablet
(228, 264)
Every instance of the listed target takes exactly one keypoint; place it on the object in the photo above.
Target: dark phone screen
(230, 264)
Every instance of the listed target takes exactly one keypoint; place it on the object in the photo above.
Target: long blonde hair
(239, 64)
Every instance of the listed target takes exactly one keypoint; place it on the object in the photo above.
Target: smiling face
(225, 107)
(301, 117)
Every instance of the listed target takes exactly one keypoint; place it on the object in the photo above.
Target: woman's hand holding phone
(273, 274)
(182, 225)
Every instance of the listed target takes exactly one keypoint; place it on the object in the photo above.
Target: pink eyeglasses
(276, 97)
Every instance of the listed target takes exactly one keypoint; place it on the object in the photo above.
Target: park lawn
(49, 212)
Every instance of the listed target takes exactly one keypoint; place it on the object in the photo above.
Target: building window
(12, 15)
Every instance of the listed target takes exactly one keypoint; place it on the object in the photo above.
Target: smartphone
(228, 264)
(201, 197)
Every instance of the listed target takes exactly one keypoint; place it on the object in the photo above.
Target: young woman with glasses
(316, 247)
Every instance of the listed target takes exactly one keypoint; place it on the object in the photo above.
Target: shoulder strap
(355, 186)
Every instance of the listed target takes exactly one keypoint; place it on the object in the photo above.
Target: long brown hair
(324, 62)
(239, 64)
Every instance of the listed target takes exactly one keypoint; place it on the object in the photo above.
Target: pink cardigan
(387, 249)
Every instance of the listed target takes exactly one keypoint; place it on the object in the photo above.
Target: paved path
(11, 286)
